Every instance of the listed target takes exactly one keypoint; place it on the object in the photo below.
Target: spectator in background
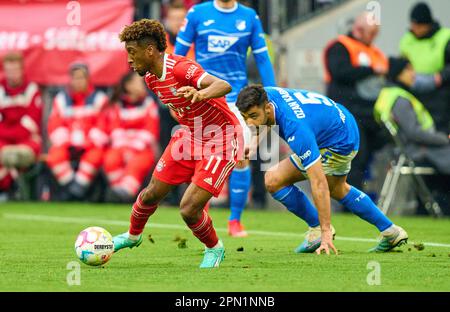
(20, 121)
(427, 47)
(353, 73)
(399, 107)
(74, 112)
(176, 12)
(131, 125)
(402, 112)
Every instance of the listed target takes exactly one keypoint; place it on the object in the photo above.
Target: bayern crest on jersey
(240, 25)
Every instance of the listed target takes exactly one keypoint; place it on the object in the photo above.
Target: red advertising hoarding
(52, 34)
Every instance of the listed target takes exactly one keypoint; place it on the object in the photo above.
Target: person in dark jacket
(354, 69)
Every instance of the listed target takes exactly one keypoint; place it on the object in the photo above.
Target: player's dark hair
(145, 31)
(252, 95)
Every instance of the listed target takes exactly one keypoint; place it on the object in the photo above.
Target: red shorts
(208, 172)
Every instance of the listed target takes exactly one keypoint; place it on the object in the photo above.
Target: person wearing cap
(20, 122)
(402, 112)
(74, 112)
(427, 46)
(354, 69)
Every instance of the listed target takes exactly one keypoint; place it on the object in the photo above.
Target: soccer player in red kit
(202, 153)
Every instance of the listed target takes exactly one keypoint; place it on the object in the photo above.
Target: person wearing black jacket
(354, 70)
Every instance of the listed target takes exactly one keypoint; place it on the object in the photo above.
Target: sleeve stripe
(260, 50)
(185, 43)
(309, 166)
(199, 81)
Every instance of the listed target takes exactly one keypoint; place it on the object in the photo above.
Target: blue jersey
(310, 121)
(222, 38)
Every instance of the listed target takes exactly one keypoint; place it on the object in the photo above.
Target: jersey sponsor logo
(209, 22)
(190, 72)
(220, 43)
(208, 180)
(305, 155)
(290, 139)
(240, 25)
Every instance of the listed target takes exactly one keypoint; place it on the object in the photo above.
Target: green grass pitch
(38, 242)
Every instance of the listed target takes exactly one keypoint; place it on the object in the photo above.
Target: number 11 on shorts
(211, 160)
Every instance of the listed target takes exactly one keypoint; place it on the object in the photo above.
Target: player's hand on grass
(190, 93)
(327, 243)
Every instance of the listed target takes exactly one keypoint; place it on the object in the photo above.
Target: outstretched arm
(321, 196)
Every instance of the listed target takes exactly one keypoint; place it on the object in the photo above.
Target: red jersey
(201, 118)
(20, 113)
(73, 115)
(128, 125)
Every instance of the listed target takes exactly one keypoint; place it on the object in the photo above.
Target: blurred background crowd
(85, 133)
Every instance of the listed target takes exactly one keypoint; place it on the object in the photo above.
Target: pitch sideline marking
(57, 219)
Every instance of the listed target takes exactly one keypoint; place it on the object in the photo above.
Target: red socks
(204, 230)
(140, 215)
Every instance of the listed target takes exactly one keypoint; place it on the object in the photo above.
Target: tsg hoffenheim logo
(220, 43)
(240, 25)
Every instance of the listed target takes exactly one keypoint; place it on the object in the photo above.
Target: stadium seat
(403, 164)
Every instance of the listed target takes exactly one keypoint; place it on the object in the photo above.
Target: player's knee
(149, 196)
(188, 212)
(272, 182)
(339, 191)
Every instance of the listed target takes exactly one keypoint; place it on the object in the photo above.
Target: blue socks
(239, 184)
(360, 204)
(297, 203)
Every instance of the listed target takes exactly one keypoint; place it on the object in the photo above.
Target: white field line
(46, 218)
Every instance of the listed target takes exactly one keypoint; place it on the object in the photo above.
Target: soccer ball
(94, 246)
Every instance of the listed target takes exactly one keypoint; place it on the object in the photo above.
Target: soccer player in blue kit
(223, 31)
(324, 138)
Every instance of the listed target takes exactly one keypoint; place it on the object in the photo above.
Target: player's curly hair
(145, 31)
(252, 95)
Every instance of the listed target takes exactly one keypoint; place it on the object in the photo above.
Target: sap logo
(220, 43)
(305, 155)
